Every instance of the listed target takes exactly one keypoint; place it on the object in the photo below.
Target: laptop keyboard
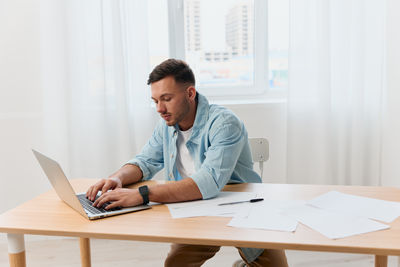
(88, 205)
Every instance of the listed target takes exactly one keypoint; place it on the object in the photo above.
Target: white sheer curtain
(104, 116)
(336, 61)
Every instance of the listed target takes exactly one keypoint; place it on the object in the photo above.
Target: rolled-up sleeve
(151, 159)
(226, 143)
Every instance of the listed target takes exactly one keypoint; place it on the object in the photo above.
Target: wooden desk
(47, 215)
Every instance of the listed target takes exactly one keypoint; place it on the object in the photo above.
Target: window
(235, 47)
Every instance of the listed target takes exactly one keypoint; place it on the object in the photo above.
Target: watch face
(144, 189)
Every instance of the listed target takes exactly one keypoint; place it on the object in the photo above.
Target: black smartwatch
(144, 192)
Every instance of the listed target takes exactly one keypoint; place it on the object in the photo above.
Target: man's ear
(191, 92)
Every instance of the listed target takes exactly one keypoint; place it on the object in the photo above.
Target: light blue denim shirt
(218, 145)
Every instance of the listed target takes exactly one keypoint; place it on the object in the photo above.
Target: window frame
(260, 85)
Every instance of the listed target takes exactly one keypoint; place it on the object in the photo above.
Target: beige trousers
(182, 255)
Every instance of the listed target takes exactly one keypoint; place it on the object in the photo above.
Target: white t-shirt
(184, 162)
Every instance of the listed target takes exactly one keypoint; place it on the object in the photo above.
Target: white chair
(259, 151)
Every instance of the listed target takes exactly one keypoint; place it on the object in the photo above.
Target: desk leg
(16, 250)
(84, 244)
(381, 261)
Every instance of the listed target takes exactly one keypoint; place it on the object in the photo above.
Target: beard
(173, 119)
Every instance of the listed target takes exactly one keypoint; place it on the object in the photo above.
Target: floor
(63, 252)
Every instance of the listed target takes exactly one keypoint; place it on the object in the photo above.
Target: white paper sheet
(209, 207)
(381, 210)
(333, 224)
(267, 215)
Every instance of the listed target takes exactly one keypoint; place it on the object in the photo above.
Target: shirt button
(172, 155)
(174, 133)
(170, 175)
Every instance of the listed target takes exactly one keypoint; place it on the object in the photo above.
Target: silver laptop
(78, 202)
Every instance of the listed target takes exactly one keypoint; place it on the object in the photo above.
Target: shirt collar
(203, 108)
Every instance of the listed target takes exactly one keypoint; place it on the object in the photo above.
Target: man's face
(172, 100)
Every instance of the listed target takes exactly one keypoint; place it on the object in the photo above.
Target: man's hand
(120, 197)
(183, 190)
(103, 185)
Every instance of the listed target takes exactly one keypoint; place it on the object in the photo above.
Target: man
(202, 148)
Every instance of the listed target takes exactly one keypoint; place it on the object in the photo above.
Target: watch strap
(144, 192)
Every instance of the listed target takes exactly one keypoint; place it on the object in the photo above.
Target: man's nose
(160, 107)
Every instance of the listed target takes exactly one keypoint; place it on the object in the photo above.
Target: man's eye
(167, 99)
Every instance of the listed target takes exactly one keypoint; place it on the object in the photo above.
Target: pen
(243, 201)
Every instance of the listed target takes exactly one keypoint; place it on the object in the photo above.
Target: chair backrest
(259, 151)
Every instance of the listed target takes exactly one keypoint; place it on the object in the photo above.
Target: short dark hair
(179, 69)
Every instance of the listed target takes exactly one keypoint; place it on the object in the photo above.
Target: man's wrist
(116, 179)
